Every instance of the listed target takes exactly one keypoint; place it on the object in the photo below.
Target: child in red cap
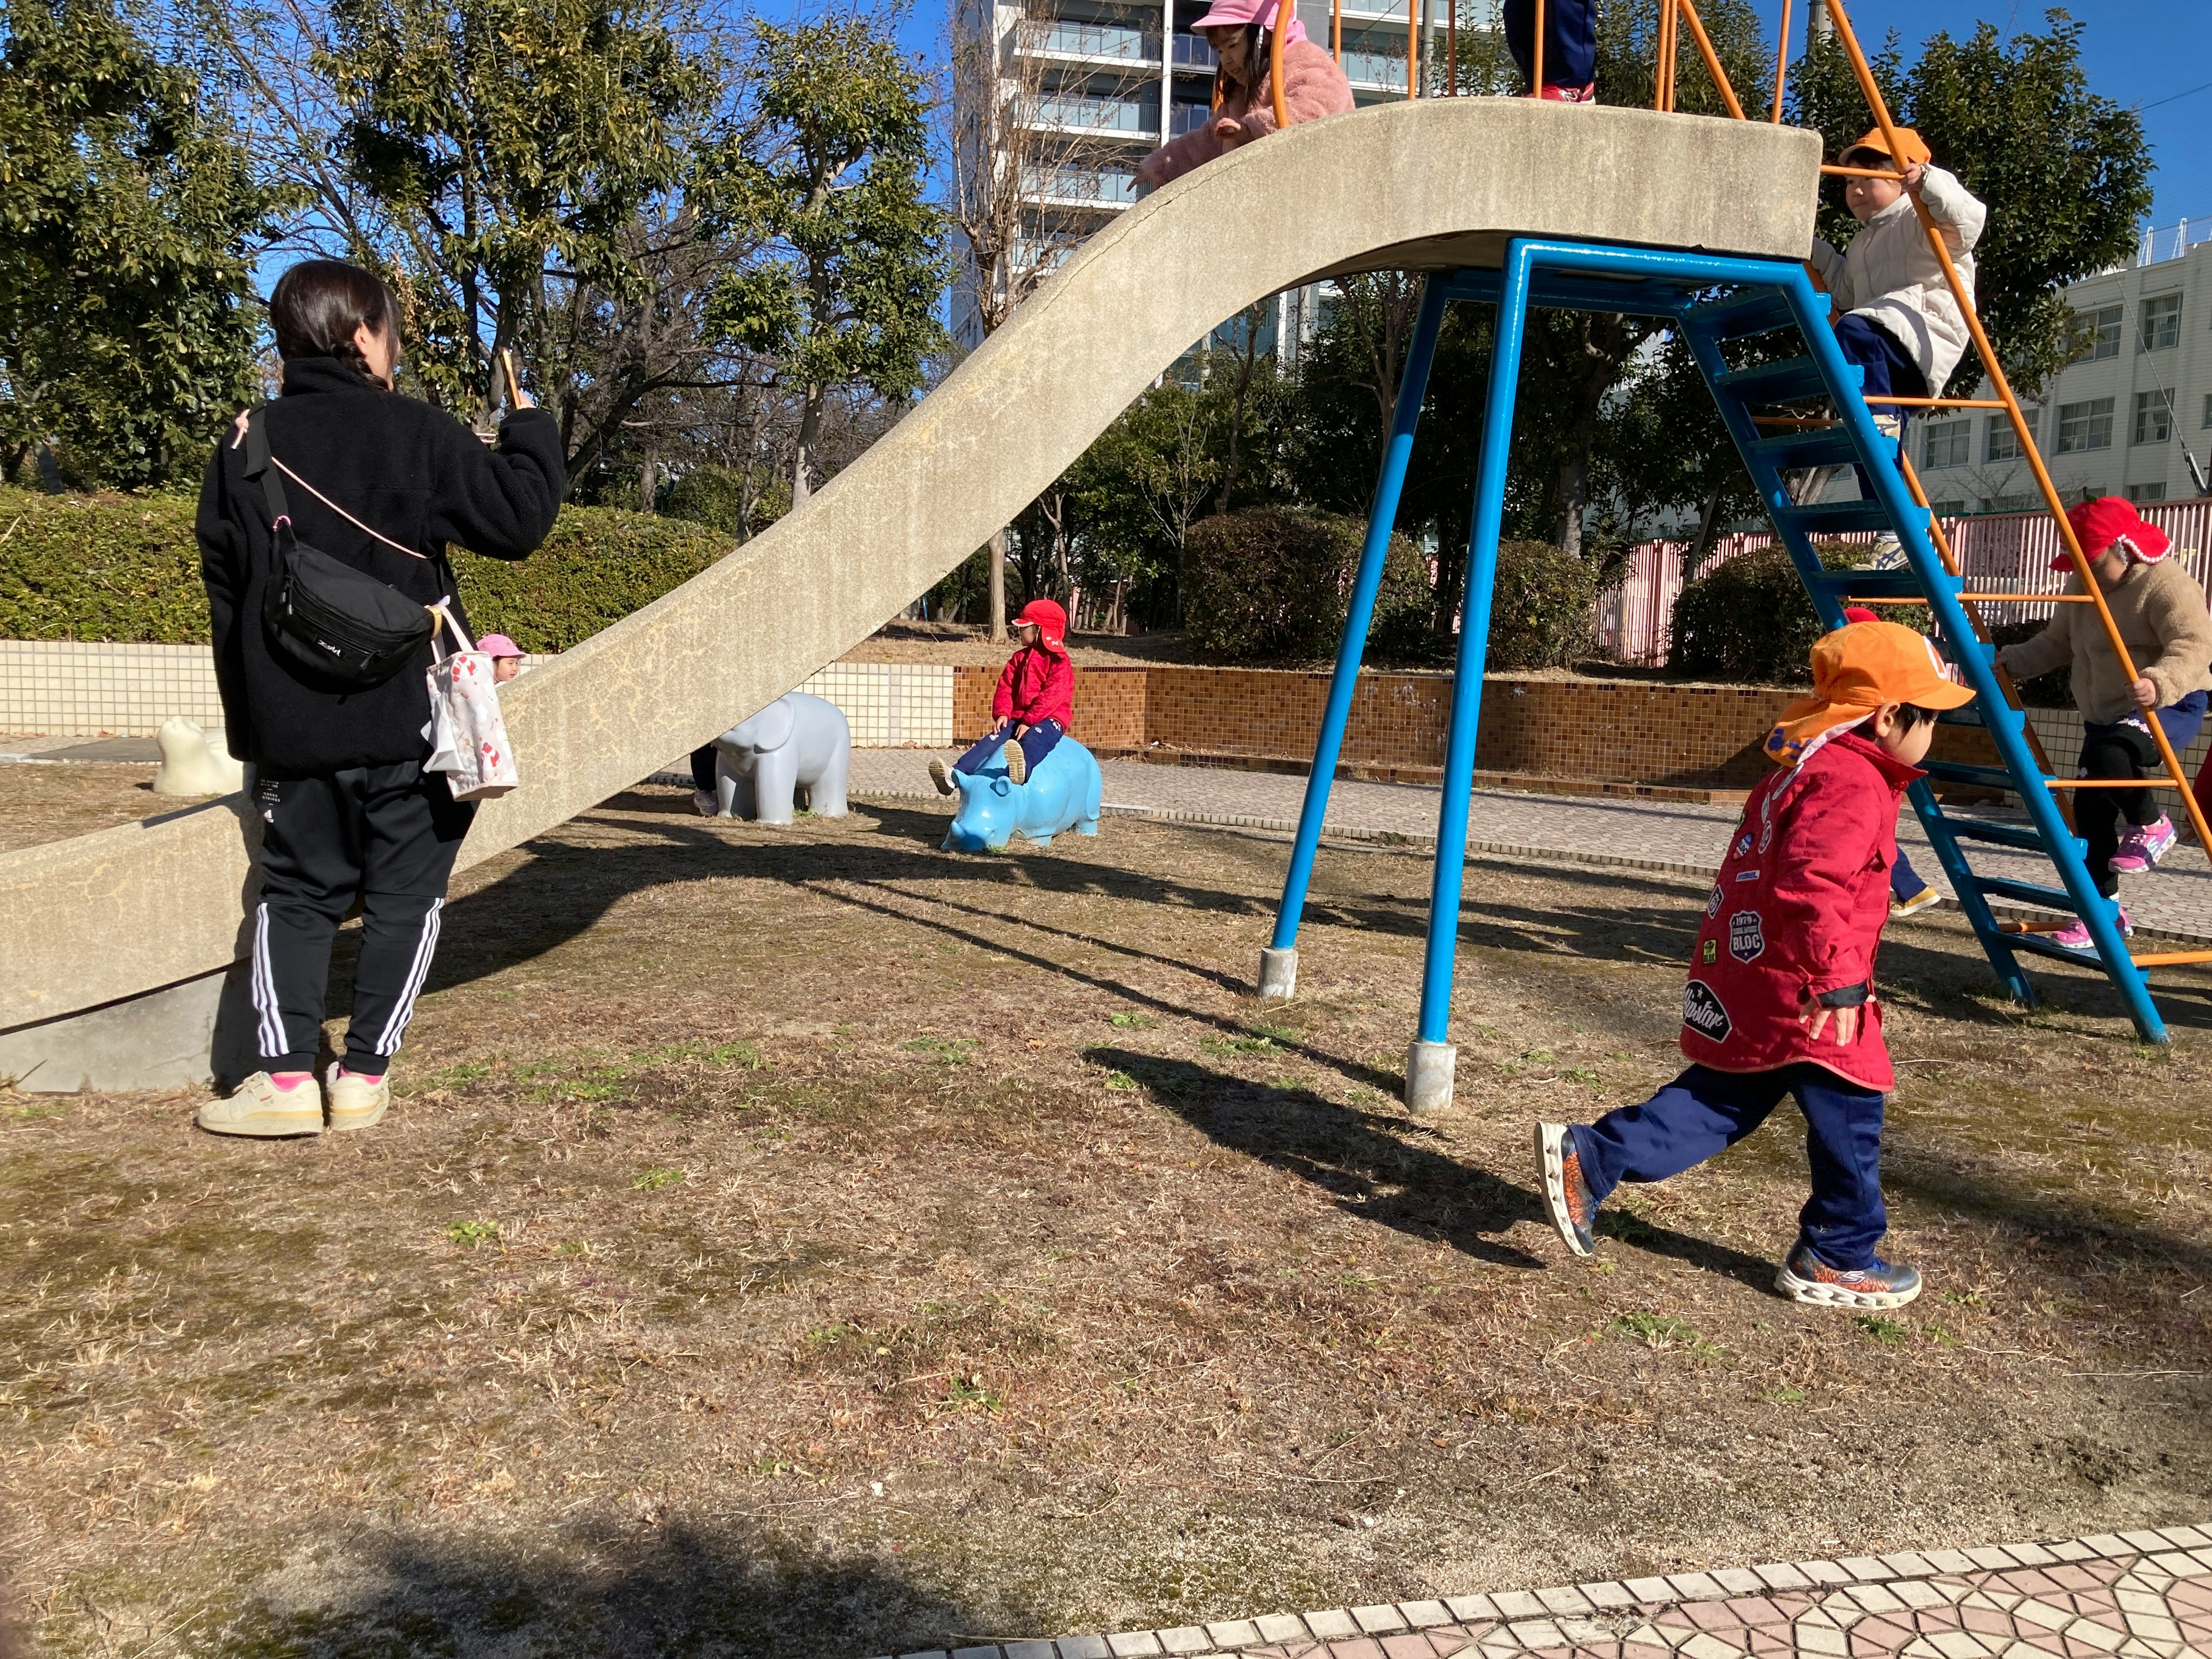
(1780, 999)
(2160, 611)
(1034, 702)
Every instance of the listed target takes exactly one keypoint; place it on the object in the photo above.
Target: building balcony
(1104, 117)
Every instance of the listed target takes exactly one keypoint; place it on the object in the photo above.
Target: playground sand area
(806, 1242)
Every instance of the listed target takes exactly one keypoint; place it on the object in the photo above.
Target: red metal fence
(2004, 553)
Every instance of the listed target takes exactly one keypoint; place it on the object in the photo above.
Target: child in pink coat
(1313, 87)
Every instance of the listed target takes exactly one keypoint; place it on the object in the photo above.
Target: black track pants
(383, 835)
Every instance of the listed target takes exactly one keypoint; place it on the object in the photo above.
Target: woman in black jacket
(380, 482)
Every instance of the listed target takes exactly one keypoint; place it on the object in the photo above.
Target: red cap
(2108, 521)
(1859, 613)
(1050, 621)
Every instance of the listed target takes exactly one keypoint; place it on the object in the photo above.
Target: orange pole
(1275, 68)
(1336, 31)
(1669, 52)
(1536, 56)
(1782, 62)
(1938, 403)
(1451, 49)
(1995, 372)
(1413, 48)
(1712, 59)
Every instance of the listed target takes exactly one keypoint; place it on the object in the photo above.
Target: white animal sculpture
(190, 765)
(796, 743)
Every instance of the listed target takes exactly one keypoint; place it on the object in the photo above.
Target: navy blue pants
(1889, 369)
(2126, 750)
(1904, 881)
(1703, 1112)
(1037, 742)
(1569, 41)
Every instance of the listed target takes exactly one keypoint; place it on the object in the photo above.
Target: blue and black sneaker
(1567, 1198)
(1805, 1278)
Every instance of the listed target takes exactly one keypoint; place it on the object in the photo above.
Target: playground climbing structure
(1761, 334)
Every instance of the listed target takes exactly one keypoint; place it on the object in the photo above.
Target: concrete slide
(114, 946)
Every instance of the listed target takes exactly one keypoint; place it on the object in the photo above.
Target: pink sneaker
(2075, 935)
(2143, 846)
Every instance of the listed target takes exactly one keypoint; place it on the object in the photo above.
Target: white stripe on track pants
(385, 836)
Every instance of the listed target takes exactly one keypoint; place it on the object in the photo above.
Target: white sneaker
(357, 1102)
(259, 1109)
(705, 801)
(941, 776)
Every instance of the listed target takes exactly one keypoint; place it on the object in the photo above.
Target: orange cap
(1855, 670)
(1915, 147)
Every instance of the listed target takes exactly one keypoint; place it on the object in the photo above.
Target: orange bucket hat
(1855, 670)
(1914, 148)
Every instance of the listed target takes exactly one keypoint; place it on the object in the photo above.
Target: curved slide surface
(1438, 183)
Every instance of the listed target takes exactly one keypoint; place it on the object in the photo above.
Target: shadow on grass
(684, 1589)
(1377, 1167)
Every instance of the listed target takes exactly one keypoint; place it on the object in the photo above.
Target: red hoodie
(1799, 906)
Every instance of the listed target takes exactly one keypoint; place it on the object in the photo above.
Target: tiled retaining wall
(63, 688)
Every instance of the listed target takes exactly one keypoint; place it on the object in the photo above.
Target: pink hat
(498, 645)
(1235, 13)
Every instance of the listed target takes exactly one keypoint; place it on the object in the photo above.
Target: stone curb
(1560, 1618)
(1489, 848)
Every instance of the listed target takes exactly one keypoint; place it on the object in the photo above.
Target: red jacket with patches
(1037, 684)
(1799, 908)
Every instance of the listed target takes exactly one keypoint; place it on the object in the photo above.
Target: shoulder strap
(260, 463)
(258, 467)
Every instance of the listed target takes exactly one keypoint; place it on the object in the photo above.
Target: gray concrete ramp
(111, 916)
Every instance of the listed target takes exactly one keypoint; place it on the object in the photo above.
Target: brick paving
(2136, 1595)
(2175, 902)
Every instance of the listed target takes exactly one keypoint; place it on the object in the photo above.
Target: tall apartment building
(1092, 86)
(2126, 417)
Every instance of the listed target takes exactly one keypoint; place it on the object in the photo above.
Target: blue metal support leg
(1278, 962)
(1429, 1061)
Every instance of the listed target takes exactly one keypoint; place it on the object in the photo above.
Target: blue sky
(2136, 51)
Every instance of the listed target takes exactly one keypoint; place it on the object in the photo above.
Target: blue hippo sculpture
(1062, 794)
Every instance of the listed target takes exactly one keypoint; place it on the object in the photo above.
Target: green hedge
(1540, 608)
(1751, 620)
(126, 568)
(1269, 584)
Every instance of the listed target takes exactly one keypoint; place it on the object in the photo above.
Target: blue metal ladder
(1712, 299)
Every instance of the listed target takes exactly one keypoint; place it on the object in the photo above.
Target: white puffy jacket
(1890, 275)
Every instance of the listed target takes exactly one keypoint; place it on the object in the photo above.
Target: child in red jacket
(1780, 999)
(1033, 704)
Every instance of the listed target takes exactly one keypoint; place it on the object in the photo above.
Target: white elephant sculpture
(191, 765)
(796, 743)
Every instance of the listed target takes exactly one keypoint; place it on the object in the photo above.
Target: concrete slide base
(1278, 974)
(195, 1034)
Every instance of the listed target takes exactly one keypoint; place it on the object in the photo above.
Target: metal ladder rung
(1786, 381)
(2026, 892)
(2004, 835)
(1989, 777)
(1761, 310)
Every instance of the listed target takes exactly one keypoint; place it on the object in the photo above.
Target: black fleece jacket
(419, 476)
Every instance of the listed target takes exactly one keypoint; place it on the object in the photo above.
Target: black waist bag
(320, 611)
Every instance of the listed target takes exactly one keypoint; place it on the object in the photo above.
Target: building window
(2097, 334)
(2002, 443)
(2147, 492)
(2085, 426)
(2207, 408)
(2154, 418)
(2160, 328)
(1947, 509)
(1949, 443)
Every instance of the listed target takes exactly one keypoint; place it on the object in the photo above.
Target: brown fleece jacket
(2159, 610)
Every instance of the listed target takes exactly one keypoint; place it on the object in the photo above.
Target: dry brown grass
(809, 1243)
(52, 801)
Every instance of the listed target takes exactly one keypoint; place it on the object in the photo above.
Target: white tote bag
(468, 739)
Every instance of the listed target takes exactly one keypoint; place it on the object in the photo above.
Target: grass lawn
(806, 1242)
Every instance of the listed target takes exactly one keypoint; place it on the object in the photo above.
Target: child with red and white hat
(1780, 999)
(2158, 609)
(1034, 702)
